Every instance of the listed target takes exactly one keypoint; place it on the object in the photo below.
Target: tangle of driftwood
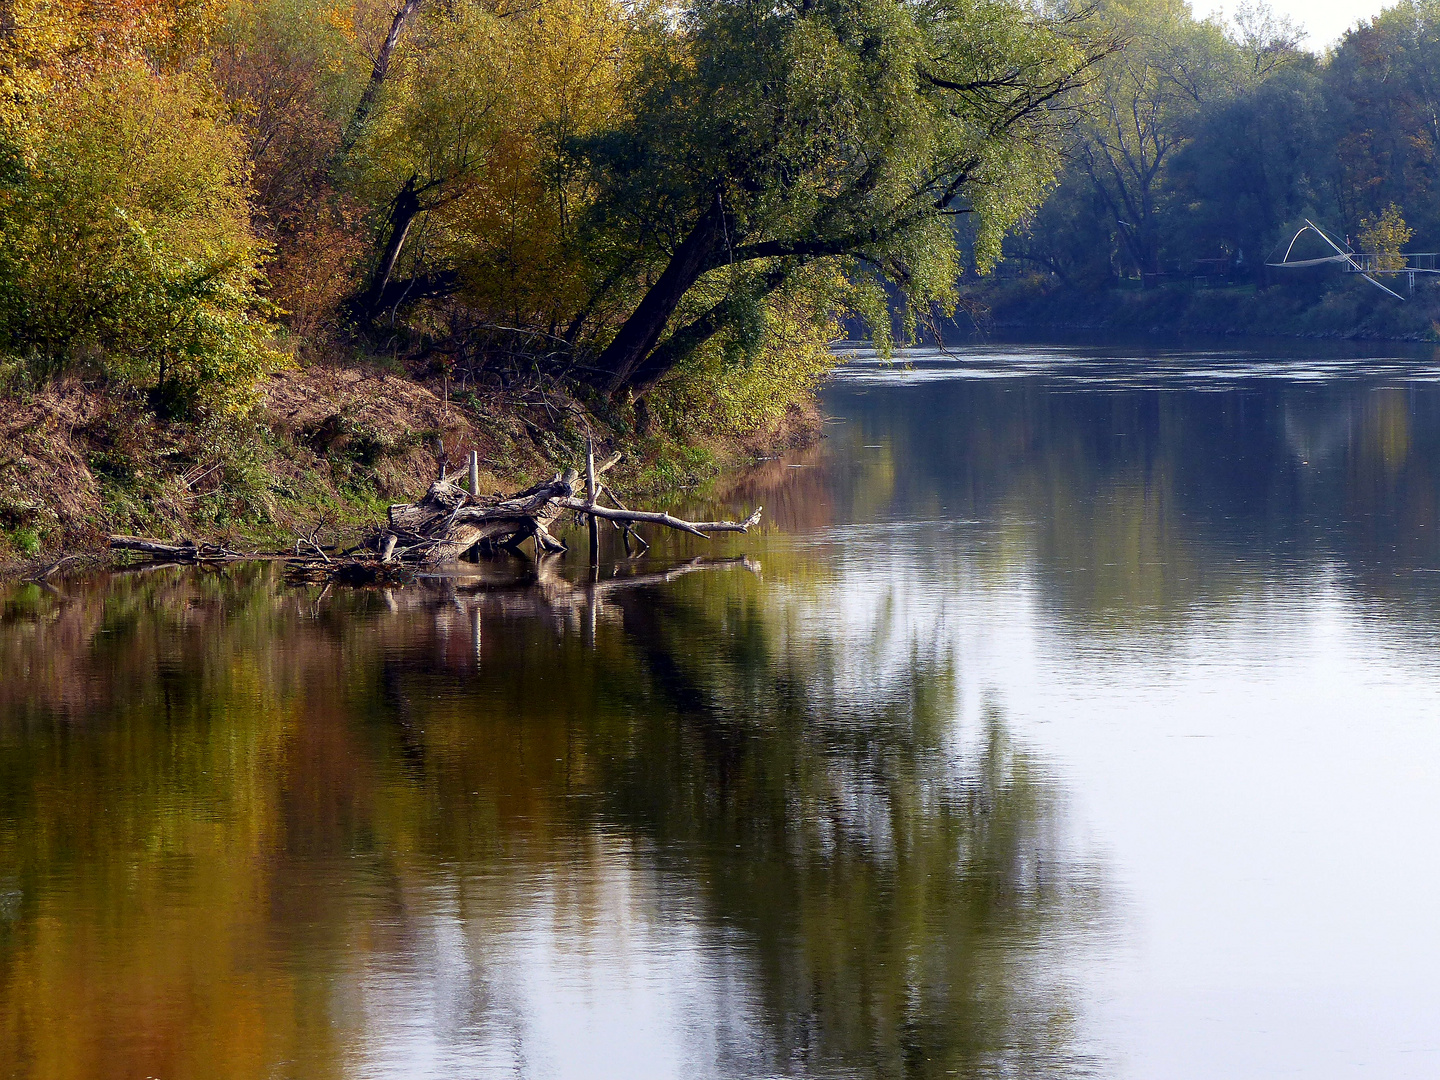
(449, 523)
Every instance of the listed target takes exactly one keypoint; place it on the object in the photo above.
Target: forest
(1210, 144)
(647, 220)
(194, 192)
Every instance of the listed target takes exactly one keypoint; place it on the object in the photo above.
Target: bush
(26, 541)
(125, 243)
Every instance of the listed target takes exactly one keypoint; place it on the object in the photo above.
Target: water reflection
(475, 828)
(1045, 658)
(1138, 494)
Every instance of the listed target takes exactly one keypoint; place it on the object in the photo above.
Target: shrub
(1385, 235)
(26, 541)
(743, 380)
(125, 242)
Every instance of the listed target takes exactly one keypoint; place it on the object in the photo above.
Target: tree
(125, 239)
(1386, 234)
(1150, 96)
(779, 135)
(592, 171)
(1383, 96)
(1072, 236)
(1257, 164)
(466, 154)
(1267, 42)
(293, 82)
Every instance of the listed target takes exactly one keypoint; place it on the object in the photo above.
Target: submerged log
(185, 551)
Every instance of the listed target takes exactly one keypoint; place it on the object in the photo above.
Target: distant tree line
(1209, 144)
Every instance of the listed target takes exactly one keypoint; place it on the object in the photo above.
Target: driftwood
(445, 524)
(696, 528)
(42, 576)
(316, 565)
(450, 522)
(185, 551)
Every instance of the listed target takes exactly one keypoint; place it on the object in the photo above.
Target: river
(1075, 713)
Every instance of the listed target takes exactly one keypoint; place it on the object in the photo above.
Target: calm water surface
(1076, 714)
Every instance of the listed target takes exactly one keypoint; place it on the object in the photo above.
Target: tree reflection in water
(476, 828)
(714, 825)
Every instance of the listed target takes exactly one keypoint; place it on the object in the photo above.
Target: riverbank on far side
(1322, 307)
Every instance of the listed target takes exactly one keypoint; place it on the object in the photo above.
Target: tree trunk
(683, 340)
(377, 77)
(402, 216)
(697, 253)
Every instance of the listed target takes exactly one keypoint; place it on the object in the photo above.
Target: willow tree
(764, 137)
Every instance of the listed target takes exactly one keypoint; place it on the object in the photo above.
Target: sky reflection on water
(1214, 615)
(1056, 725)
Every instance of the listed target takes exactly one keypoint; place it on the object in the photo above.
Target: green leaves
(826, 131)
(125, 243)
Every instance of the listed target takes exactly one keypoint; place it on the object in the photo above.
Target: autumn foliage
(125, 231)
(671, 202)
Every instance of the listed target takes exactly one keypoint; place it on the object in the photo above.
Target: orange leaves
(71, 37)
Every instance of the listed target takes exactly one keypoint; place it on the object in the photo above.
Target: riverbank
(1343, 308)
(325, 447)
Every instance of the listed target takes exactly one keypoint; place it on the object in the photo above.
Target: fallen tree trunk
(186, 550)
(450, 522)
(445, 524)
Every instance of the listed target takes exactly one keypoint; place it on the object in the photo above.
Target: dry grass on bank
(326, 443)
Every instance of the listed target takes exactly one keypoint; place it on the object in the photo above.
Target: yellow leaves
(128, 240)
(484, 110)
(822, 81)
(577, 51)
(1385, 235)
(72, 37)
(341, 19)
(29, 53)
(153, 147)
(52, 44)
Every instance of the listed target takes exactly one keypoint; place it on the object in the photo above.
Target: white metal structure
(1364, 263)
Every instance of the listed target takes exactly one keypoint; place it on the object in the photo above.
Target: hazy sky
(1325, 20)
